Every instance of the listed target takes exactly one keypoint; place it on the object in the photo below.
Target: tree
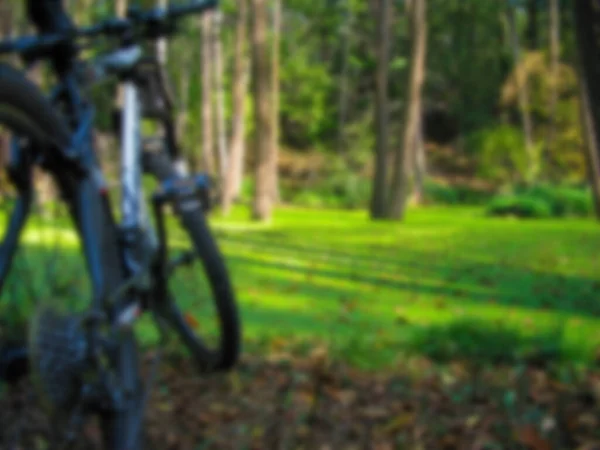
(554, 66)
(344, 75)
(524, 101)
(275, 94)
(588, 40)
(417, 13)
(208, 154)
(233, 180)
(220, 94)
(265, 160)
(162, 45)
(592, 147)
(420, 163)
(378, 197)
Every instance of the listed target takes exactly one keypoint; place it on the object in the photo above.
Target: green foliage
(247, 191)
(542, 201)
(438, 284)
(501, 153)
(341, 189)
(496, 343)
(460, 194)
(441, 194)
(563, 201)
(523, 206)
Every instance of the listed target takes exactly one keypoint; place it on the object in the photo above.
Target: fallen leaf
(529, 436)
(595, 445)
(375, 412)
(399, 422)
(548, 424)
(472, 421)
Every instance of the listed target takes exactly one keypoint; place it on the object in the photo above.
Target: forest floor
(449, 331)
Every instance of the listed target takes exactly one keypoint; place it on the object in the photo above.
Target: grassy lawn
(446, 283)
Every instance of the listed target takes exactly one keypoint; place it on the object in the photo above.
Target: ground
(452, 330)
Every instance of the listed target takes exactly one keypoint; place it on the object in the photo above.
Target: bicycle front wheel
(200, 305)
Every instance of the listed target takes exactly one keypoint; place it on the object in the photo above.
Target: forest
(407, 196)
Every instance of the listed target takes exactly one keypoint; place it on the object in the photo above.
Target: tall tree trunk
(208, 145)
(418, 30)
(264, 158)
(345, 75)
(182, 114)
(220, 94)
(592, 149)
(420, 161)
(162, 44)
(275, 99)
(121, 7)
(554, 68)
(523, 90)
(378, 196)
(588, 39)
(235, 173)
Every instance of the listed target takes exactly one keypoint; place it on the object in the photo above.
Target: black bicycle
(86, 362)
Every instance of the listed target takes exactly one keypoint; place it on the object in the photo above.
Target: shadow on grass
(453, 275)
(494, 343)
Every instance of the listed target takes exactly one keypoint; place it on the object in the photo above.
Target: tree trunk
(208, 149)
(592, 150)
(184, 95)
(420, 161)
(554, 68)
(275, 101)
(344, 76)
(418, 31)
(162, 44)
(523, 89)
(378, 197)
(233, 183)
(588, 40)
(264, 158)
(220, 94)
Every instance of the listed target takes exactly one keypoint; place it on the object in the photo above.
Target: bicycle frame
(77, 169)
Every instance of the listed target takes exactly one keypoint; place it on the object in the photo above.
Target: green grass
(447, 283)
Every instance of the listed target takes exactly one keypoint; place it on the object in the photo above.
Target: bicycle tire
(24, 109)
(223, 358)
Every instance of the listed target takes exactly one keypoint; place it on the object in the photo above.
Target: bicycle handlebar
(153, 22)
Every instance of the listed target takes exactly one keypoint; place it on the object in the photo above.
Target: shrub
(523, 206)
(440, 194)
(463, 194)
(564, 201)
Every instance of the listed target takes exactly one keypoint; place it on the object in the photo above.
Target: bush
(523, 206)
(563, 201)
(460, 194)
(348, 191)
(543, 201)
(440, 194)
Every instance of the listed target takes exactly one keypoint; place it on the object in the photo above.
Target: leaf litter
(315, 403)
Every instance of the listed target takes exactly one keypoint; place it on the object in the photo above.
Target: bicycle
(87, 364)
